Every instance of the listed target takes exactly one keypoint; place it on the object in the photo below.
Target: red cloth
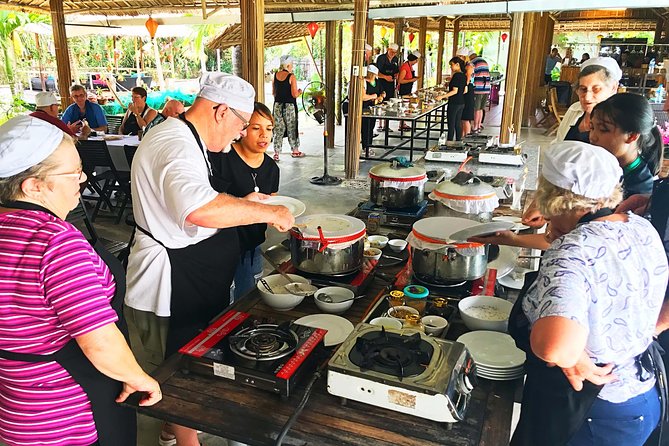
(44, 116)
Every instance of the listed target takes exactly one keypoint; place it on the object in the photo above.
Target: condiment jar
(395, 298)
(416, 297)
(439, 307)
(413, 322)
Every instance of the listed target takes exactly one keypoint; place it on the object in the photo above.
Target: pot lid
(439, 229)
(391, 172)
(477, 190)
(334, 228)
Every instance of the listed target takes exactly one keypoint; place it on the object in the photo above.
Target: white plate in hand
(295, 206)
(514, 279)
(338, 328)
(481, 230)
(517, 222)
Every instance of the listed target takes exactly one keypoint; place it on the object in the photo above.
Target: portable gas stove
(268, 356)
(501, 155)
(397, 218)
(407, 372)
(453, 151)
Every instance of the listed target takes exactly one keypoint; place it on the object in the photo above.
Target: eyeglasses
(77, 174)
(583, 90)
(236, 113)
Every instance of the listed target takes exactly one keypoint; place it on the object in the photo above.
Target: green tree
(9, 23)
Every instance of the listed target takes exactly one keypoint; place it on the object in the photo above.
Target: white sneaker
(164, 441)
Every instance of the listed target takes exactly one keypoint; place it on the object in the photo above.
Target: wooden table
(255, 417)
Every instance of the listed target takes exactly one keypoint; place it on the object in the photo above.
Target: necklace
(255, 185)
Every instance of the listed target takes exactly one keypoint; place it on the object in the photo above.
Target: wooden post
(512, 71)
(659, 27)
(536, 59)
(422, 29)
(523, 82)
(440, 49)
(399, 32)
(253, 44)
(39, 63)
(547, 44)
(339, 92)
(62, 51)
(356, 89)
(369, 37)
(456, 36)
(330, 97)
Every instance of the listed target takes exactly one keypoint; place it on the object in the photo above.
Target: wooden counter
(256, 417)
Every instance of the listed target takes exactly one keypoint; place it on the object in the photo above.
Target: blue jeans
(249, 272)
(629, 423)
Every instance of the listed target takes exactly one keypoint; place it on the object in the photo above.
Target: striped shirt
(481, 76)
(53, 287)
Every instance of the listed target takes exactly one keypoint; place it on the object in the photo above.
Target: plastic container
(415, 296)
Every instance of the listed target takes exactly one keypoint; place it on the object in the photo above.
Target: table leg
(413, 132)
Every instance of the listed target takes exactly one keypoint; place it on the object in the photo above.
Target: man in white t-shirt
(185, 251)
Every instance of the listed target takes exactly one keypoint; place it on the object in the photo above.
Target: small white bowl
(337, 294)
(281, 299)
(373, 253)
(434, 325)
(474, 309)
(403, 310)
(387, 322)
(397, 244)
(378, 241)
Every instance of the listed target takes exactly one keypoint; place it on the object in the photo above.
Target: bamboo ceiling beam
(440, 49)
(330, 74)
(422, 39)
(356, 90)
(62, 52)
(253, 45)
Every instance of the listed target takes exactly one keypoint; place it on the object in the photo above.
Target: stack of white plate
(495, 354)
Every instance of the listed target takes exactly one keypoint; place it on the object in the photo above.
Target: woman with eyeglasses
(65, 363)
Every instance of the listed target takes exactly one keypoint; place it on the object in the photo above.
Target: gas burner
(391, 353)
(456, 290)
(265, 342)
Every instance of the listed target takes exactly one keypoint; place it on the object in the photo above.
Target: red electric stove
(253, 352)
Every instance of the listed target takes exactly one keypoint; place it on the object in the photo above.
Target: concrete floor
(295, 175)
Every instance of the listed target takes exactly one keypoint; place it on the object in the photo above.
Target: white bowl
(337, 294)
(378, 241)
(434, 325)
(485, 313)
(281, 300)
(387, 322)
(373, 253)
(397, 244)
(402, 309)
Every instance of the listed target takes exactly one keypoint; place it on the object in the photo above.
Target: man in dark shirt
(388, 65)
(46, 109)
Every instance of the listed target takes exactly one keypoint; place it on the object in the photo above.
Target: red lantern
(312, 28)
(151, 26)
(504, 36)
(411, 37)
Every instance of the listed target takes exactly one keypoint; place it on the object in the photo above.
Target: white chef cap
(227, 89)
(417, 53)
(26, 141)
(463, 51)
(584, 169)
(372, 69)
(607, 62)
(393, 46)
(45, 99)
(368, 47)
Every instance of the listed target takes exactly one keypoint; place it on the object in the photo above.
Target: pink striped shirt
(53, 287)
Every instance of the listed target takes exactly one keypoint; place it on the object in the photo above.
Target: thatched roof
(275, 34)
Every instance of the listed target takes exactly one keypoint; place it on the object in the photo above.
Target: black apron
(116, 425)
(201, 274)
(405, 89)
(574, 134)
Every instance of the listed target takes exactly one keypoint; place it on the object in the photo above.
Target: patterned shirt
(610, 277)
(481, 76)
(53, 288)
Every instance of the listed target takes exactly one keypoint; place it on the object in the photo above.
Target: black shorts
(468, 112)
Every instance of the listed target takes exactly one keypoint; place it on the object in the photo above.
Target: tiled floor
(295, 175)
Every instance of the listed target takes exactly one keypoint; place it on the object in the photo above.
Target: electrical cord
(298, 410)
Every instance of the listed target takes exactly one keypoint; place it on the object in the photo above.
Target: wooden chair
(556, 109)
(81, 220)
(543, 105)
(129, 153)
(113, 123)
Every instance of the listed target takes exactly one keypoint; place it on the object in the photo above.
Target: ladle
(324, 297)
(297, 288)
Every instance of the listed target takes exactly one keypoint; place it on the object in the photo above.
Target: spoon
(328, 299)
(297, 288)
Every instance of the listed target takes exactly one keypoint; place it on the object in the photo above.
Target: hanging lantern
(411, 37)
(383, 31)
(504, 36)
(151, 26)
(98, 57)
(600, 37)
(312, 28)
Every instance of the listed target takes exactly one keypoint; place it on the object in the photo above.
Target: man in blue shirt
(83, 108)
(551, 60)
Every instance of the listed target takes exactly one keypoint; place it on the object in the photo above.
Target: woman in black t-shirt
(455, 96)
(374, 94)
(247, 170)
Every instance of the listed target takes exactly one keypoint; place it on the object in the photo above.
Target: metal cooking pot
(446, 265)
(396, 197)
(337, 248)
(454, 199)
(441, 210)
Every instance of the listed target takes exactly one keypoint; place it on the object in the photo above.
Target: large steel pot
(474, 200)
(327, 244)
(397, 187)
(441, 210)
(437, 259)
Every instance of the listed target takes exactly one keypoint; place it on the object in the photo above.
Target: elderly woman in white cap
(388, 65)
(374, 94)
(285, 91)
(64, 360)
(586, 323)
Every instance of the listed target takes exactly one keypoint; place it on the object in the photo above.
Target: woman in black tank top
(139, 114)
(285, 93)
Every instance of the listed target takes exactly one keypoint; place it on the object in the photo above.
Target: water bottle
(442, 139)
(651, 66)
(659, 94)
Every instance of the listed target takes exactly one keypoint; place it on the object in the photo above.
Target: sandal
(297, 154)
(276, 157)
(165, 439)
(404, 128)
